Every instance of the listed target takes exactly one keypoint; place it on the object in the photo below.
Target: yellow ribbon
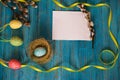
(3, 63)
(112, 63)
(3, 28)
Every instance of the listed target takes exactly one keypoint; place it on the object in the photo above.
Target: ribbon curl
(112, 63)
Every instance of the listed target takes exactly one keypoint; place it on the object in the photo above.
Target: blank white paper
(70, 25)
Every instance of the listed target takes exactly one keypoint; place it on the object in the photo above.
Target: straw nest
(40, 43)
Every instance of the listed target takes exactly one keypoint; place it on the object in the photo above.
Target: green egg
(16, 41)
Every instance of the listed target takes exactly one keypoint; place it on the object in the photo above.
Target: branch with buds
(91, 24)
(20, 9)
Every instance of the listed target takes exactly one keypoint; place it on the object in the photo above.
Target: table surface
(73, 54)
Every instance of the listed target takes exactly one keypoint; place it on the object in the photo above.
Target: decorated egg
(16, 41)
(40, 51)
(15, 24)
(14, 64)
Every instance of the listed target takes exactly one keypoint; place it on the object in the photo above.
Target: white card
(70, 25)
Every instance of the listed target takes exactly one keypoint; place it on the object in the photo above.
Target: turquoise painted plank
(73, 54)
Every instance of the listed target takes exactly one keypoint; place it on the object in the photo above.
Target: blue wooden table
(73, 54)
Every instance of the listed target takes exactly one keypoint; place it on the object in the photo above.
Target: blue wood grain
(73, 54)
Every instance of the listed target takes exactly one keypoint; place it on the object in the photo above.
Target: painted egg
(16, 41)
(14, 64)
(15, 24)
(40, 51)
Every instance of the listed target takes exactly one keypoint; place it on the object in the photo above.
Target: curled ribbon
(112, 63)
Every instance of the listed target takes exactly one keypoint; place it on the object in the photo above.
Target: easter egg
(16, 41)
(14, 64)
(40, 51)
(15, 24)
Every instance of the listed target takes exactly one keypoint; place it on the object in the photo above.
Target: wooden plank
(73, 54)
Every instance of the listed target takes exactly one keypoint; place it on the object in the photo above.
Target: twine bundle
(40, 43)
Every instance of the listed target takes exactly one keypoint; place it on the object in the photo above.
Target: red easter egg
(14, 64)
